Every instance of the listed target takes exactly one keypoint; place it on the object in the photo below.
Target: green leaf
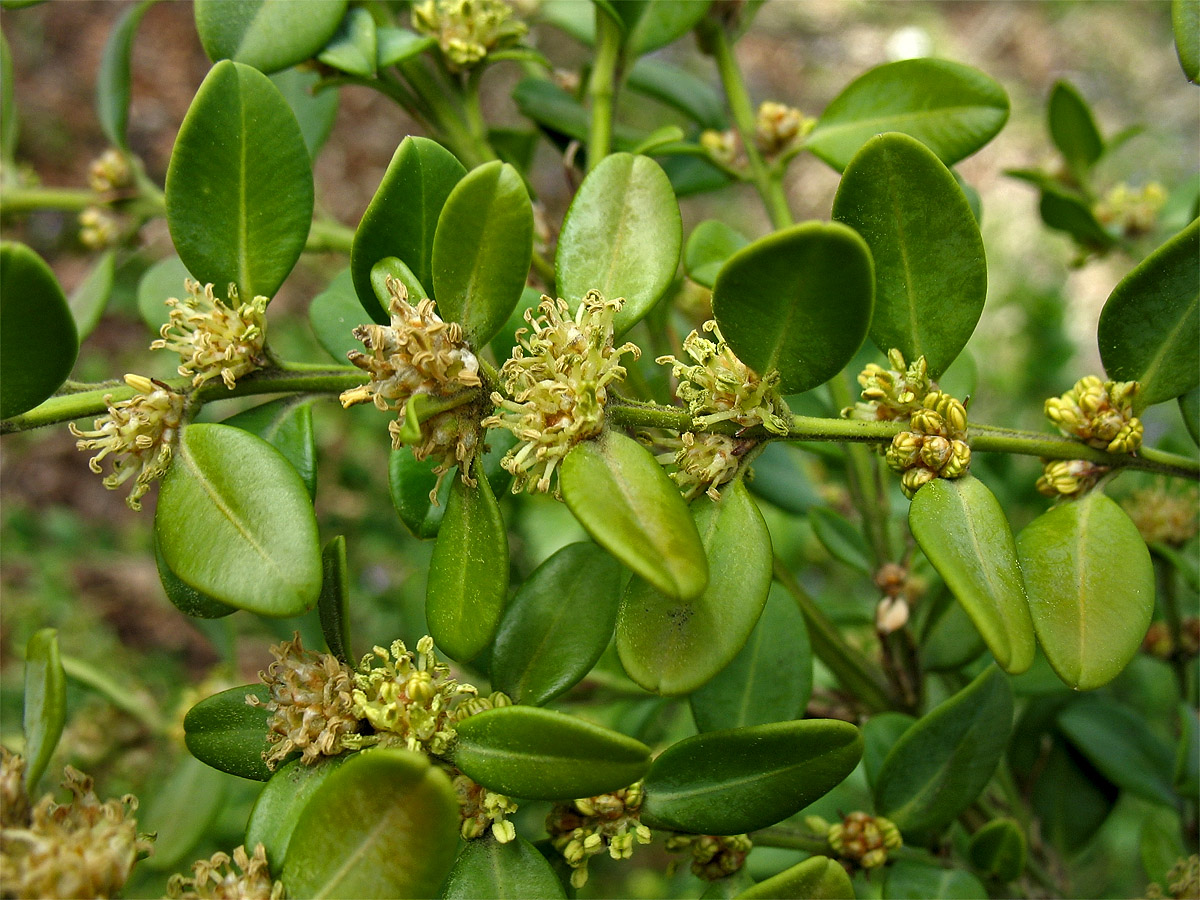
(1185, 22)
(235, 522)
(45, 704)
(729, 782)
(286, 424)
(395, 45)
(1189, 408)
(239, 186)
(621, 236)
(1149, 329)
(938, 767)
(315, 112)
(227, 733)
(38, 343)
(1070, 798)
(998, 849)
(558, 624)
(384, 824)
(880, 733)
(353, 47)
(282, 801)
(402, 217)
(1069, 212)
(162, 280)
(770, 679)
(915, 880)
(1187, 753)
(844, 542)
(672, 646)
(334, 602)
(1073, 130)
(930, 273)
(468, 574)
(482, 249)
(1090, 585)
(183, 596)
(190, 786)
(798, 301)
(625, 501)
(540, 754)
(679, 89)
(9, 122)
(267, 34)
(334, 313)
(114, 77)
(950, 108)
(390, 267)
(511, 871)
(655, 23)
(962, 530)
(950, 639)
(817, 878)
(708, 246)
(87, 301)
(409, 482)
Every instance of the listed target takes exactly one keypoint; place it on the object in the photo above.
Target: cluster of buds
(557, 379)
(860, 840)
(1099, 413)
(109, 172)
(1068, 477)
(214, 338)
(418, 353)
(934, 447)
(1134, 212)
(98, 228)
(1183, 880)
(1163, 516)
(607, 823)
(779, 128)
(482, 810)
(468, 30)
(139, 432)
(724, 147)
(84, 848)
(703, 461)
(713, 856)
(894, 394)
(900, 589)
(242, 876)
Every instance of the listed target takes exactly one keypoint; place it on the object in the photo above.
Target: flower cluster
(1099, 413)
(482, 810)
(1133, 211)
(84, 848)
(607, 823)
(779, 128)
(713, 856)
(1183, 880)
(1165, 516)
(467, 30)
(893, 394)
(703, 461)
(557, 379)
(139, 432)
(243, 877)
(1068, 477)
(934, 447)
(98, 228)
(725, 147)
(109, 172)
(863, 840)
(214, 338)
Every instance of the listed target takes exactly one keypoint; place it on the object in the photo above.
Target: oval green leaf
(511, 871)
(621, 237)
(334, 313)
(1073, 130)
(673, 646)
(1149, 329)
(227, 733)
(1185, 22)
(963, 531)
(183, 596)
(998, 850)
(680, 89)
(88, 300)
(911, 879)
(236, 523)
(267, 34)
(395, 45)
(239, 186)
(950, 108)
(656, 23)
(1090, 585)
(708, 246)
(286, 424)
(191, 786)
(352, 48)
(382, 825)
(468, 574)
(481, 250)
(409, 482)
(817, 878)
(114, 77)
(798, 301)
(45, 704)
(844, 542)
(540, 754)
(1067, 211)
(402, 217)
(730, 782)
(930, 272)
(625, 501)
(1189, 408)
(315, 112)
(938, 767)
(880, 733)
(334, 602)
(278, 807)
(38, 342)
(558, 624)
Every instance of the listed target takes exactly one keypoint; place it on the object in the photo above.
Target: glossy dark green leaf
(625, 501)
(236, 523)
(280, 804)
(1189, 408)
(334, 602)
(653, 24)
(468, 574)
(1067, 211)
(621, 236)
(1185, 22)
(9, 122)
(511, 871)
(950, 108)
(540, 754)
(963, 531)
(45, 704)
(1073, 129)
(1070, 798)
(998, 849)
(678, 88)
(227, 733)
(190, 786)
(938, 767)
(286, 424)
(708, 246)
(799, 301)
(38, 343)
(729, 782)
(770, 679)
(916, 880)
(334, 313)
(558, 624)
(817, 878)
(950, 640)
(162, 280)
(1120, 743)
(1090, 585)
(394, 45)
(844, 542)
(87, 301)
(403, 215)
(315, 113)
(183, 596)
(267, 34)
(1149, 329)
(481, 250)
(880, 733)
(409, 481)
(930, 271)
(672, 646)
(562, 115)
(239, 205)
(353, 47)
(114, 77)
(384, 824)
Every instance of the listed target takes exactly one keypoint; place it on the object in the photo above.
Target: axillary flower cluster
(593, 825)
(1099, 413)
(467, 30)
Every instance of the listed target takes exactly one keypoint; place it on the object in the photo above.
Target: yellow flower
(243, 877)
(593, 825)
(467, 30)
(1099, 413)
(214, 338)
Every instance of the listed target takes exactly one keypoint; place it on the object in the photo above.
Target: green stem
(602, 88)
(26, 200)
(545, 271)
(864, 484)
(449, 117)
(328, 236)
(786, 838)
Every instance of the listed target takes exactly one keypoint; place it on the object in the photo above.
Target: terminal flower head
(779, 128)
(467, 30)
(214, 338)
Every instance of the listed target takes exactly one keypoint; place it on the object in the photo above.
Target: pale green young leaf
(227, 733)
(1073, 129)
(267, 34)
(817, 878)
